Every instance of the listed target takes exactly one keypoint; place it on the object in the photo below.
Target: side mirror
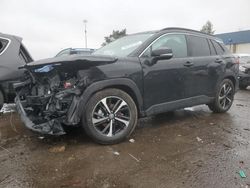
(162, 53)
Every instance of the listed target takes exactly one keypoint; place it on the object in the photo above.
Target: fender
(227, 74)
(75, 113)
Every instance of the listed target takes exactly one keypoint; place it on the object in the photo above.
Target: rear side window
(3, 44)
(219, 48)
(211, 46)
(198, 46)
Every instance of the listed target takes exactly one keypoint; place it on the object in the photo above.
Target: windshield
(123, 46)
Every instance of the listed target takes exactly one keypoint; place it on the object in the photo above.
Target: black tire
(119, 125)
(243, 87)
(1, 99)
(223, 101)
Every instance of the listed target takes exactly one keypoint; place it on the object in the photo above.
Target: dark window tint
(198, 46)
(213, 52)
(219, 49)
(3, 44)
(175, 42)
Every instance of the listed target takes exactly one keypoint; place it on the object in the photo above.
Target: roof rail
(179, 28)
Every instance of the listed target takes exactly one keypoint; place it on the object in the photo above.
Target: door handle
(188, 64)
(218, 61)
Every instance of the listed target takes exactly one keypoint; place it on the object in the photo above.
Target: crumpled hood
(70, 59)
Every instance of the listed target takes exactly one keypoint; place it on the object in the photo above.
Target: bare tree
(208, 28)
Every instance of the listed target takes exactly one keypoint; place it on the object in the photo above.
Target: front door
(164, 81)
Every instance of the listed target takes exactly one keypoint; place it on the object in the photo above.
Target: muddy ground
(188, 148)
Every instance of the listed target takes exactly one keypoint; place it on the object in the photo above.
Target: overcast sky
(47, 26)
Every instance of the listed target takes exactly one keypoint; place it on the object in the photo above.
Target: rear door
(203, 74)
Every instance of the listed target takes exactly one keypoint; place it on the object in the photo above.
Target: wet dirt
(192, 147)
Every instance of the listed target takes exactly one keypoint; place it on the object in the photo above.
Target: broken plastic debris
(199, 139)
(132, 140)
(116, 153)
(242, 174)
(241, 162)
(57, 149)
(137, 160)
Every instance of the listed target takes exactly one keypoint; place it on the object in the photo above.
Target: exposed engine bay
(46, 96)
(50, 93)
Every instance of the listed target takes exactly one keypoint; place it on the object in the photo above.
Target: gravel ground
(187, 148)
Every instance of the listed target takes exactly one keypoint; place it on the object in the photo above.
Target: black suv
(138, 75)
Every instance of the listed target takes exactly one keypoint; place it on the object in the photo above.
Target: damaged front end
(49, 95)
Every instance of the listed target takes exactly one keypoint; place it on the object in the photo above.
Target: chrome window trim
(9, 41)
(174, 33)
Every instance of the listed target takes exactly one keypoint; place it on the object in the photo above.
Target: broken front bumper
(51, 127)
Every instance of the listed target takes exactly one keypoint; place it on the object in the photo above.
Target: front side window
(3, 44)
(198, 46)
(176, 42)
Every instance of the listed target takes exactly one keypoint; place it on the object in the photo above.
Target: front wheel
(224, 97)
(110, 116)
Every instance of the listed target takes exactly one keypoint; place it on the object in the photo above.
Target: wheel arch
(124, 84)
(232, 78)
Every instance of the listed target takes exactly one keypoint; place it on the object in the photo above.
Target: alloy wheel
(226, 96)
(111, 116)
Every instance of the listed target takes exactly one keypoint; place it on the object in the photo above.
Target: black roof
(185, 29)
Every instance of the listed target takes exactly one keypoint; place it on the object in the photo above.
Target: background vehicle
(244, 74)
(138, 75)
(12, 55)
(72, 51)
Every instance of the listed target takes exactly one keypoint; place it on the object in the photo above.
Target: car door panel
(164, 80)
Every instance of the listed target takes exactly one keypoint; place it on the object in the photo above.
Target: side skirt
(182, 103)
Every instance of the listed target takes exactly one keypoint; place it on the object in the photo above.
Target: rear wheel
(224, 97)
(1, 99)
(110, 116)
